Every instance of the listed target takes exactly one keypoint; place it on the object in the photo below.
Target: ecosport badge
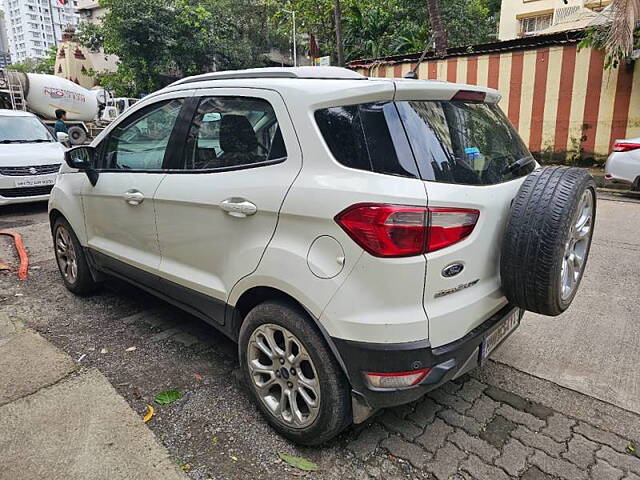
(449, 291)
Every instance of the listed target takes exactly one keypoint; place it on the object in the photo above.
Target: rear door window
(464, 142)
(233, 132)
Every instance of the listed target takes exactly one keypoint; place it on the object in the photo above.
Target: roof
(15, 113)
(522, 43)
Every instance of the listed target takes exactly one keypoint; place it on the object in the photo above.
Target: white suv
(357, 237)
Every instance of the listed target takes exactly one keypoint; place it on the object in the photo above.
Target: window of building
(531, 25)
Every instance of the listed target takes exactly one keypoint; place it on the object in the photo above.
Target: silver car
(623, 165)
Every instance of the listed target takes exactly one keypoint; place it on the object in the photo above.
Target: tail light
(396, 379)
(405, 231)
(625, 146)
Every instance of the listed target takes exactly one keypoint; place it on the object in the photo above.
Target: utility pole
(338, 21)
(295, 44)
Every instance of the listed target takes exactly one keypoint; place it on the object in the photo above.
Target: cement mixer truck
(88, 111)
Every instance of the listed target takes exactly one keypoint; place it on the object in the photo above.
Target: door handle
(133, 197)
(238, 207)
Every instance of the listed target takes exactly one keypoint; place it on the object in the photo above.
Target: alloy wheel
(66, 255)
(284, 376)
(575, 252)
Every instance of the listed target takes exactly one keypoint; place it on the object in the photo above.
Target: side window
(368, 137)
(140, 142)
(232, 131)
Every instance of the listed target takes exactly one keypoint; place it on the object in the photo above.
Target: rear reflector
(469, 96)
(396, 379)
(405, 231)
(625, 146)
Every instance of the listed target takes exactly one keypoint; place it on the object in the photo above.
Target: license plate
(505, 328)
(40, 181)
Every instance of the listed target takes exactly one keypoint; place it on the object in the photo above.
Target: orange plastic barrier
(23, 269)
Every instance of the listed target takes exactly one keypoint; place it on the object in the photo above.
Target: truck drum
(547, 239)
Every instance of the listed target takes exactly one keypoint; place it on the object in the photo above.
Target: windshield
(23, 130)
(464, 142)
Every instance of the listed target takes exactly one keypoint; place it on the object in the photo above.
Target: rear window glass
(464, 143)
(368, 137)
(443, 141)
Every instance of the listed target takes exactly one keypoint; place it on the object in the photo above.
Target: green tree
(158, 40)
(44, 65)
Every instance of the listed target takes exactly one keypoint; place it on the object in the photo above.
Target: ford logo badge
(452, 270)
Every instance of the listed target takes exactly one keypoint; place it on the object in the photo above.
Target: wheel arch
(259, 294)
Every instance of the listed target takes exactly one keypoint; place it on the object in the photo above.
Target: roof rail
(318, 73)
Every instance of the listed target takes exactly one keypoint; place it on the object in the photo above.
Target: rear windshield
(441, 141)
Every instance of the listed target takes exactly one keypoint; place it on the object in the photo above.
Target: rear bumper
(446, 362)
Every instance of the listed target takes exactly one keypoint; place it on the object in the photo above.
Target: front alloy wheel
(284, 375)
(66, 255)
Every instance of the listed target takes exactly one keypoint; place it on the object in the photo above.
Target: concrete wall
(561, 100)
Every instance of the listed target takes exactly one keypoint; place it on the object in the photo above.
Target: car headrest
(237, 135)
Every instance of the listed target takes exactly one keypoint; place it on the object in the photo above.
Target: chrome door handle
(238, 207)
(133, 197)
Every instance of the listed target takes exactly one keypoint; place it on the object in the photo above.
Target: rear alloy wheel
(547, 239)
(292, 374)
(284, 375)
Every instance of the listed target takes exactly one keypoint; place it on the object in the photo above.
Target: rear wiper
(517, 165)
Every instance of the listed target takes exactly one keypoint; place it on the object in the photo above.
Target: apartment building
(533, 17)
(90, 10)
(5, 58)
(35, 25)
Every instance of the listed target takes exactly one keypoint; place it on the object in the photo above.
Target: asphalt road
(594, 347)
(513, 418)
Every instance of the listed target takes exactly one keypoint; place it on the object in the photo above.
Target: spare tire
(547, 239)
(77, 135)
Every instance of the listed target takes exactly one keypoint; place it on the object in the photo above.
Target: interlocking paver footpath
(473, 430)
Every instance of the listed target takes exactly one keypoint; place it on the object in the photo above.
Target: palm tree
(625, 15)
(338, 20)
(439, 32)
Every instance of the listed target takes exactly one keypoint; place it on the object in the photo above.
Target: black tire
(82, 283)
(538, 231)
(77, 135)
(334, 411)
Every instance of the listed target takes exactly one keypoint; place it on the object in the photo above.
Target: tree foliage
(158, 39)
(618, 38)
(38, 65)
(383, 27)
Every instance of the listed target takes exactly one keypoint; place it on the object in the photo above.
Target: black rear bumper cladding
(446, 362)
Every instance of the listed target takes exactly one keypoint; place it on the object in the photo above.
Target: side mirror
(82, 158)
(62, 137)
(79, 157)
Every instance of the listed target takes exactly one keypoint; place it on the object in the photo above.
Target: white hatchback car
(623, 165)
(363, 240)
(30, 158)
